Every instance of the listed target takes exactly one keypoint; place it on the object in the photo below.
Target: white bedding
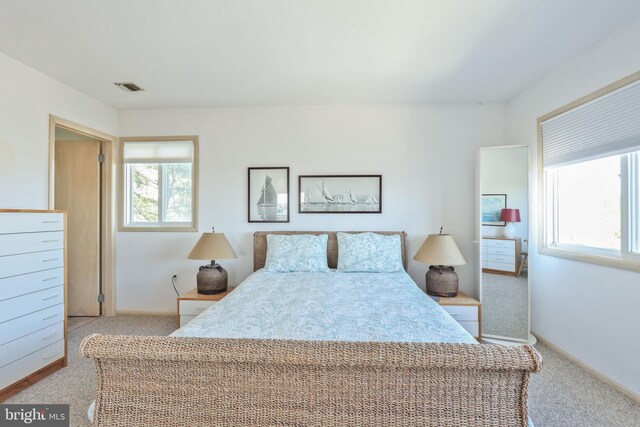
(330, 306)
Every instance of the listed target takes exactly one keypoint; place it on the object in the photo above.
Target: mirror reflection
(504, 187)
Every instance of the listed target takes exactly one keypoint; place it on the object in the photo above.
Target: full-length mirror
(504, 233)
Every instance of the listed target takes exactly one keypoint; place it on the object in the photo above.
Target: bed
(313, 349)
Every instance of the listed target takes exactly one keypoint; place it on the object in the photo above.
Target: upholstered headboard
(260, 245)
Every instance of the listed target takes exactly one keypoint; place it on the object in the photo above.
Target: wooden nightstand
(466, 310)
(192, 303)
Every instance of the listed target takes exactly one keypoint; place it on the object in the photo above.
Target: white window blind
(605, 126)
(158, 152)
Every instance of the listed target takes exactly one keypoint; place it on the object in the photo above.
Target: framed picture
(268, 199)
(492, 205)
(340, 193)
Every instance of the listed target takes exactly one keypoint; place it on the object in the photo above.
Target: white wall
(506, 171)
(27, 97)
(425, 154)
(587, 310)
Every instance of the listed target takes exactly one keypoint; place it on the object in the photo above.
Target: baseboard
(33, 378)
(146, 313)
(613, 383)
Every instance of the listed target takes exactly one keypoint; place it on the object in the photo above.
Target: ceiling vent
(129, 87)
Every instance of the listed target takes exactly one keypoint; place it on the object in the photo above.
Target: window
(159, 184)
(591, 178)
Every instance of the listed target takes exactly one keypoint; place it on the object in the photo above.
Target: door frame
(109, 205)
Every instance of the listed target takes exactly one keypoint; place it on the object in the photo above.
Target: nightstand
(465, 310)
(192, 303)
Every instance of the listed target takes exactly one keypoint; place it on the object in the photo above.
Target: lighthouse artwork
(269, 194)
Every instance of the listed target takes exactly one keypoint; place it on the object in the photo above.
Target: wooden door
(77, 189)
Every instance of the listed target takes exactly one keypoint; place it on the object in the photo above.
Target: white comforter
(330, 307)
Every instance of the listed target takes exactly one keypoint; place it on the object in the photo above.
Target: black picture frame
(270, 212)
(502, 199)
(351, 203)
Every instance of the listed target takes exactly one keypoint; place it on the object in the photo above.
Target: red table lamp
(510, 216)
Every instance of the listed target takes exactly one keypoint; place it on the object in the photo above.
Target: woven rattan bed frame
(171, 381)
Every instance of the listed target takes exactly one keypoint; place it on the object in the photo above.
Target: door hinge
(100, 297)
(101, 158)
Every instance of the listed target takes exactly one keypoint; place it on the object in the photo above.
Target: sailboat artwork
(371, 200)
(340, 193)
(268, 194)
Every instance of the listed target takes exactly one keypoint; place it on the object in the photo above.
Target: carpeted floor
(562, 395)
(505, 307)
(75, 322)
(75, 384)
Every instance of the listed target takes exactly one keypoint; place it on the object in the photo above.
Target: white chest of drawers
(501, 255)
(32, 297)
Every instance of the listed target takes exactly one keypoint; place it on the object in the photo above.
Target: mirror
(503, 236)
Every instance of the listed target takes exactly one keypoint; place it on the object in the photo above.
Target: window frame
(124, 203)
(630, 217)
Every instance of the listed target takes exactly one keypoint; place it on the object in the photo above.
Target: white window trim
(630, 170)
(547, 234)
(124, 192)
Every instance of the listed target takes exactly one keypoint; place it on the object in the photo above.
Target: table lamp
(212, 278)
(441, 251)
(510, 216)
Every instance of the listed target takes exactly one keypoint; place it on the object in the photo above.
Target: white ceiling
(303, 52)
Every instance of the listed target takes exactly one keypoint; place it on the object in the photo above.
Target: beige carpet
(562, 395)
(75, 322)
(505, 306)
(75, 383)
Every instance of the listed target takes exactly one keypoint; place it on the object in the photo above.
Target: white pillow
(302, 253)
(369, 252)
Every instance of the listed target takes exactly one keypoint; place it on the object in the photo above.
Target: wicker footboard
(170, 381)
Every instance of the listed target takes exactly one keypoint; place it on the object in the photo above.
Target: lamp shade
(440, 249)
(510, 215)
(212, 246)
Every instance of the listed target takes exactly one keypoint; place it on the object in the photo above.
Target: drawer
(11, 287)
(462, 312)
(498, 250)
(20, 222)
(26, 304)
(28, 263)
(501, 266)
(16, 328)
(472, 327)
(194, 307)
(185, 319)
(26, 345)
(22, 368)
(22, 243)
(505, 259)
(497, 243)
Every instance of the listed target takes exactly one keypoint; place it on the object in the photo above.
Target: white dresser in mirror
(501, 255)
